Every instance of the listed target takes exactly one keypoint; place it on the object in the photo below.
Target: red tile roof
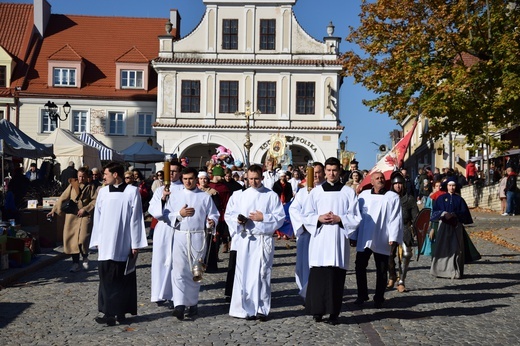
(16, 30)
(100, 42)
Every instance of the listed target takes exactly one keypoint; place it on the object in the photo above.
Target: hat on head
(218, 171)
(451, 182)
(202, 174)
(282, 172)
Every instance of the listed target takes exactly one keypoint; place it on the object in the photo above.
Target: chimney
(42, 14)
(175, 18)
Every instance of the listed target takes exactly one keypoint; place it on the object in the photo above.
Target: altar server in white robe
(162, 285)
(331, 215)
(381, 226)
(303, 237)
(191, 211)
(253, 217)
(118, 233)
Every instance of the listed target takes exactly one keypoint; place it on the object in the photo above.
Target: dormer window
(131, 79)
(64, 76)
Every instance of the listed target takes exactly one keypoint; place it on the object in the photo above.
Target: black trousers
(325, 291)
(230, 279)
(391, 262)
(117, 292)
(381, 274)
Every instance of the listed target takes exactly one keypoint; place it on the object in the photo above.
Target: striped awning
(105, 153)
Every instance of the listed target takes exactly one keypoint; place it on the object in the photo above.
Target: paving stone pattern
(54, 307)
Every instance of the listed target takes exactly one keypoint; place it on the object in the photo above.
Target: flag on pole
(392, 161)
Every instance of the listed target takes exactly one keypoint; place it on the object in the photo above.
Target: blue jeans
(511, 202)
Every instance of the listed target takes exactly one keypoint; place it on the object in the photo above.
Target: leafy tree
(454, 61)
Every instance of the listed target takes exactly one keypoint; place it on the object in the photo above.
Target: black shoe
(333, 320)
(170, 305)
(250, 318)
(161, 302)
(378, 304)
(192, 311)
(360, 301)
(179, 312)
(121, 318)
(262, 317)
(108, 320)
(317, 318)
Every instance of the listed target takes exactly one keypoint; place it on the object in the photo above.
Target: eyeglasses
(128, 177)
(159, 175)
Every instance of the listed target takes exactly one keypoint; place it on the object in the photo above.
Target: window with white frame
(228, 101)
(116, 125)
(230, 34)
(267, 34)
(47, 125)
(64, 76)
(144, 124)
(266, 97)
(80, 121)
(132, 79)
(190, 96)
(305, 97)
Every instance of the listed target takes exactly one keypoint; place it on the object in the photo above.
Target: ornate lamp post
(54, 115)
(248, 114)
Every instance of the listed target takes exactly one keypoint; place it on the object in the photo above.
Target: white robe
(329, 243)
(303, 237)
(382, 222)
(118, 224)
(189, 241)
(255, 250)
(269, 179)
(161, 287)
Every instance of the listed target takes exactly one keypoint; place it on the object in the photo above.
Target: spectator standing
(471, 172)
(66, 174)
(502, 193)
(33, 173)
(270, 176)
(511, 189)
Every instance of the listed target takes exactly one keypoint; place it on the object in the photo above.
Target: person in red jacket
(471, 172)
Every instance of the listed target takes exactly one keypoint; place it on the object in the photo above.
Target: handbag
(71, 207)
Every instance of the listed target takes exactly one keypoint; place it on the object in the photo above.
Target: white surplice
(382, 222)
(189, 245)
(118, 224)
(255, 250)
(161, 285)
(329, 244)
(302, 269)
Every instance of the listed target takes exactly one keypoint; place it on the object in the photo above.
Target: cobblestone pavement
(54, 307)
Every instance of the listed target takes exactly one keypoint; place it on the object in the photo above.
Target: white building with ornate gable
(248, 50)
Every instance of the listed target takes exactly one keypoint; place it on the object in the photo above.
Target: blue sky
(361, 126)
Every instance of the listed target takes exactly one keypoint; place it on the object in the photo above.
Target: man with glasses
(162, 284)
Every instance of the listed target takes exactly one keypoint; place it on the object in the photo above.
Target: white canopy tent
(68, 147)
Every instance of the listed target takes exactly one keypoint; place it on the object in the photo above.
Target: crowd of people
(197, 214)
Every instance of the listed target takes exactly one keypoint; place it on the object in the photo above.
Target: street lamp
(440, 149)
(248, 114)
(54, 115)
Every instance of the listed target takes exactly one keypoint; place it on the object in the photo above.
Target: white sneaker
(75, 268)
(505, 214)
(85, 263)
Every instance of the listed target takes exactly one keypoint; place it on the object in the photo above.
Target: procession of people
(197, 214)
